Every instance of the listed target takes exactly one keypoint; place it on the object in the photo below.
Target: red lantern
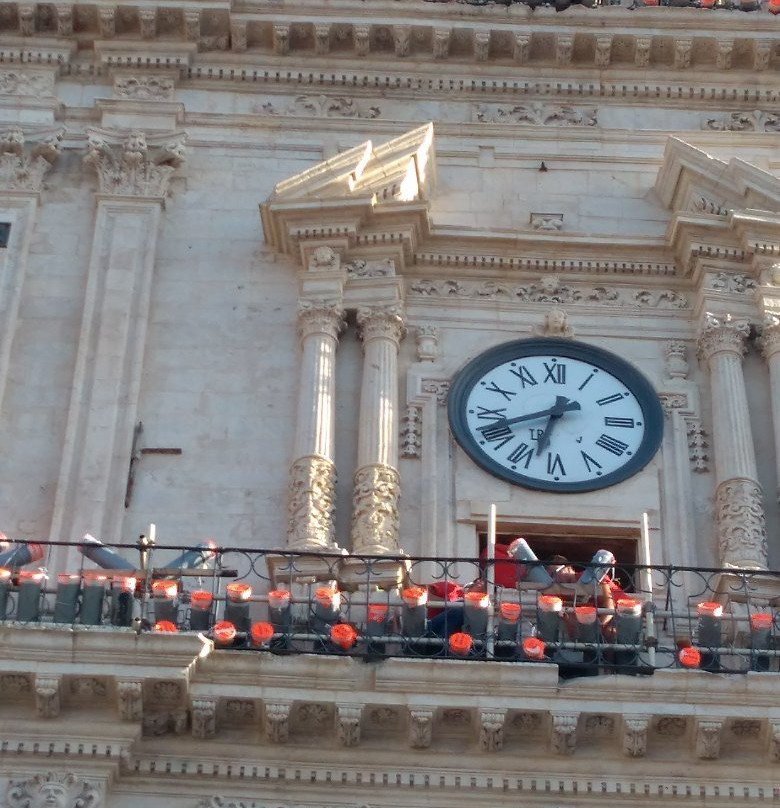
(164, 627)
(689, 657)
(224, 633)
(533, 648)
(261, 633)
(343, 635)
(460, 643)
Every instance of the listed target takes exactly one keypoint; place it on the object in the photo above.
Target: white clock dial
(555, 415)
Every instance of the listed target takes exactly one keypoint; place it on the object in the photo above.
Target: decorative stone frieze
(635, 735)
(708, 734)
(204, 717)
(132, 164)
(563, 739)
(535, 113)
(322, 38)
(749, 121)
(314, 715)
(277, 721)
(47, 695)
(549, 290)
(547, 222)
(26, 83)
(130, 699)
(87, 687)
(491, 730)
(26, 157)
(375, 521)
(14, 684)
(147, 22)
(322, 259)
(348, 718)
(281, 39)
(145, 87)
(671, 726)
(728, 282)
(420, 727)
(26, 13)
(54, 790)
(363, 268)
(240, 711)
(702, 204)
(321, 106)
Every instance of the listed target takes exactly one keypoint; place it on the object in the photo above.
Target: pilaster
(738, 498)
(133, 176)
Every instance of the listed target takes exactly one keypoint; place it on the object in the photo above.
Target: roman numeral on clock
(523, 452)
(494, 388)
(590, 463)
(623, 422)
(525, 376)
(609, 399)
(493, 415)
(500, 433)
(617, 447)
(555, 466)
(555, 373)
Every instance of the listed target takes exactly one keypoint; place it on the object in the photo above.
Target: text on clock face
(555, 418)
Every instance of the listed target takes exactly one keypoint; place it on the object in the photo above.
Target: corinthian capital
(320, 317)
(132, 164)
(26, 157)
(722, 335)
(381, 322)
(769, 341)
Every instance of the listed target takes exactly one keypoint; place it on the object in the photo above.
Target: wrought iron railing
(628, 618)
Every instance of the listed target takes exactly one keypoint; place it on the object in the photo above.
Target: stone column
(738, 496)
(770, 347)
(133, 182)
(313, 473)
(377, 482)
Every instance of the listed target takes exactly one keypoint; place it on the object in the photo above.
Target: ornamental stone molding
(677, 366)
(323, 258)
(364, 268)
(427, 343)
(26, 83)
(411, 431)
(774, 741)
(47, 695)
(722, 334)
(381, 322)
(54, 790)
(320, 317)
(130, 699)
(769, 341)
(420, 728)
(731, 283)
(491, 730)
(132, 164)
(635, 735)
(548, 290)
(311, 504)
(440, 388)
(547, 222)
(145, 87)
(563, 739)
(535, 114)
(348, 718)
(556, 324)
(277, 721)
(27, 156)
(204, 717)
(375, 522)
(741, 524)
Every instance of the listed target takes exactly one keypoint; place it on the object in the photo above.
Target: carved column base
(310, 505)
(375, 510)
(741, 526)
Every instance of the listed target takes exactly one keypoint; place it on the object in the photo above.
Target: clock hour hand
(562, 405)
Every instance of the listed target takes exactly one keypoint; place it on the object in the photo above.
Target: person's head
(561, 571)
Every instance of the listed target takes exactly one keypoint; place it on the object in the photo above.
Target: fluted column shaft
(313, 473)
(738, 496)
(770, 346)
(377, 482)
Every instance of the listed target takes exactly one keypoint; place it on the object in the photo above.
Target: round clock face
(555, 415)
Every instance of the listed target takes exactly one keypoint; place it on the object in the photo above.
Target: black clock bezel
(633, 379)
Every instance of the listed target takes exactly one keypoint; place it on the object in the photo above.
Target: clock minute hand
(561, 406)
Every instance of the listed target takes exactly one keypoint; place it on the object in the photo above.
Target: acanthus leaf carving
(311, 504)
(321, 106)
(130, 699)
(491, 730)
(420, 728)
(635, 735)
(47, 695)
(26, 83)
(708, 734)
(129, 165)
(375, 521)
(348, 717)
(381, 322)
(427, 343)
(741, 524)
(363, 268)
(54, 790)
(727, 282)
(145, 87)
(752, 121)
(277, 721)
(402, 39)
(204, 717)
(722, 334)
(564, 733)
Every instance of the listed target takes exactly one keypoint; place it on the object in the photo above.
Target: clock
(555, 415)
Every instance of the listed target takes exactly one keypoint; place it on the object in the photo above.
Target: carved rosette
(722, 335)
(204, 718)
(741, 524)
(564, 733)
(54, 789)
(26, 158)
(420, 728)
(348, 723)
(635, 735)
(47, 696)
(769, 341)
(381, 322)
(132, 164)
(708, 734)
(320, 317)
(491, 730)
(130, 699)
(375, 524)
(311, 504)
